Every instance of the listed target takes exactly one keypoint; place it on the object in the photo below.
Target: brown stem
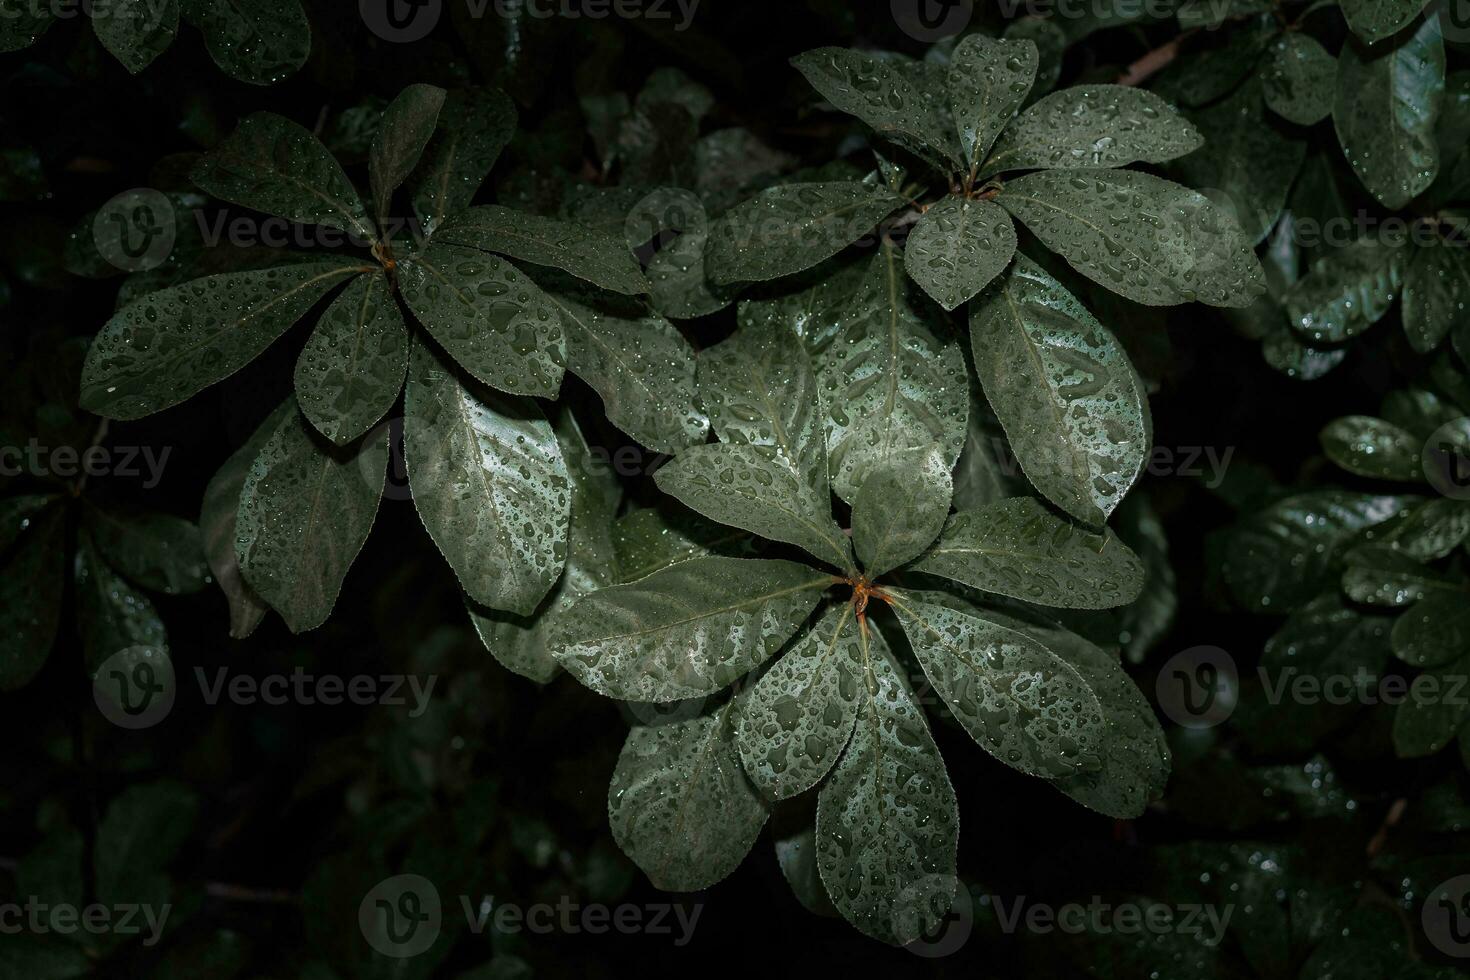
(1156, 60)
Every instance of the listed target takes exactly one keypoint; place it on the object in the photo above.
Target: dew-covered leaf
(1434, 630)
(351, 370)
(1388, 101)
(1373, 448)
(1347, 291)
(585, 252)
(679, 804)
(989, 79)
(493, 320)
(489, 482)
(887, 824)
(22, 22)
(1429, 717)
(135, 31)
(1145, 238)
(1018, 548)
(474, 126)
(408, 123)
(160, 552)
(261, 42)
(1071, 404)
(641, 366)
(649, 539)
(1379, 575)
(677, 274)
(957, 247)
(523, 643)
(168, 346)
(791, 227)
(218, 522)
(111, 614)
(1300, 79)
(1093, 127)
(1436, 295)
(687, 630)
(900, 509)
(798, 717)
(1374, 20)
(274, 165)
(890, 387)
(31, 586)
(892, 97)
(305, 510)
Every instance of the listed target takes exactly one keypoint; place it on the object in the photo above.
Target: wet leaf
(1428, 718)
(474, 126)
(957, 247)
(1018, 548)
(1374, 20)
(1373, 448)
(1436, 295)
(1143, 237)
(1347, 291)
(585, 253)
(218, 523)
(1072, 406)
(650, 539)
(160, 552)
(262, 42)
(1434, 630)
(900, 509)
(31, 586)
(490, 484)
(168, 346)
(135, 31)
(1378, 575)
(989, 79)
(1300, 79)
(408, 123)
(112, 614)
(688, 630)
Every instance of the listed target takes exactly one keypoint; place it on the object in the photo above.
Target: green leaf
(756, 488)
(887, 824)
(408, 123)
(168, 346)
(1020, 701)
(18, 514)
(1430, 530)
(474, 126)
(988, 81)
(1093, 127)
(1143, 237)
(1429, 717)
(892, 97)
(143, 829)
(218, 522)
(1135, 754)
(1373, 448)
(1283, 555)
(490, 484)
(798, 717)
(813, 306)
(1377, 575)
(135, 31)
(351, 370)
(1300, 80)
(587, 254)
(889, 385)
(1071, 404)
(687, 630)
(523, 643)
(649, 539)
(494, 321)
(1436, 295)
(1018, 548)
(1347, 291)
(791, 227)
(1247, 157)
(957, 247)
(160, 552)
(760, 390)
(796, 852)
(676, 272)
(679, 804)
(1434, 631)
(1387, 105)
(900, 509)
(112, 614)
(260, 42)
(641, 366)
(1374, 20)
(31, 587)
(274, 165)
(1051, 43)
(305, 510)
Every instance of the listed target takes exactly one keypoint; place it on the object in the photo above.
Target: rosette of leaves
(1143, 237)
(261, 42)
(474, 336)
(817, 699)
(1370, 577)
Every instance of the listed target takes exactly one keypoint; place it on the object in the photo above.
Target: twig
(1390, 820)
(1156, 60)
